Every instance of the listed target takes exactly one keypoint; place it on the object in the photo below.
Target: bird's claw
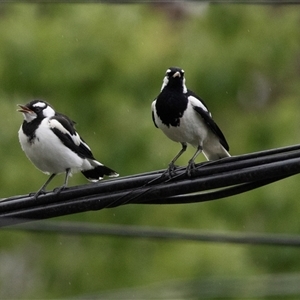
(170, 171)
(190, 168)
(37, 194)
(59, 189)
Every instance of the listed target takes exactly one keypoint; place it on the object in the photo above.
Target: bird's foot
(190, 168)
(59, 189)
(170, 171)
(37, 194)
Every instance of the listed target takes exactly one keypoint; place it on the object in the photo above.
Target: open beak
(24, 109)
(177, 74)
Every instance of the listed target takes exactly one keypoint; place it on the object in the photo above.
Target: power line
(210, 181)
(256, 2)
(264, 286)
(94, 229)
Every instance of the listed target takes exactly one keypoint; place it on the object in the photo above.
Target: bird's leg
(191, 165)
(68, 172)
(42, 189)
(172, 167)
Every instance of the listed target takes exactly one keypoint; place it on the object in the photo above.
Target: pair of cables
(210, 181)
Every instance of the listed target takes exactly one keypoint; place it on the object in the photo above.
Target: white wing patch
(196, 102)
(48, 112)
(53, 123)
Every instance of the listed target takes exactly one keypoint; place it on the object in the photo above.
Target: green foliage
(103, 65)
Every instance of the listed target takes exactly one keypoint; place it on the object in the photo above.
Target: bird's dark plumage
(170, 107)
(185, 118)
(50, 141)
(213, 126)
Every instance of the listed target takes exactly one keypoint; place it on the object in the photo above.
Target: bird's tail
(98, 171)
(215, 154)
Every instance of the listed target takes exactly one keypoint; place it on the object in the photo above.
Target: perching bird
(52, 144)
(184, 118)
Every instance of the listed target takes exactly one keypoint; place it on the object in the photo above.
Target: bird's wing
(153, 108)
(63, 127)
(198, 99)
(202, 110)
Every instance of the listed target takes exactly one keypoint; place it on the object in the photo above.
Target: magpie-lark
(184, 118)
(52, 144)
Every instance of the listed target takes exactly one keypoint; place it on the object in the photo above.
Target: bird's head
(174, 78)
(36, 109)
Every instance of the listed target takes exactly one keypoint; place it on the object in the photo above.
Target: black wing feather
(191, 93)
(66, 139)
(209, 121)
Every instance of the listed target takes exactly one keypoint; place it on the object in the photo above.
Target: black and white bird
(184, 118)
(52, 144)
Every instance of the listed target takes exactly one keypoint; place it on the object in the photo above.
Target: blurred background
(103, 65)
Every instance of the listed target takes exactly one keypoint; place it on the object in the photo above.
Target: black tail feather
(99, 172)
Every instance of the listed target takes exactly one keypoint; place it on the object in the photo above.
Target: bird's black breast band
(29, 129)
(170, 107)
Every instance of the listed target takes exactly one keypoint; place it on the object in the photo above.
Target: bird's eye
(38, 109)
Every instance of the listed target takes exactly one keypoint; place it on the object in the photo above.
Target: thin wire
(265, 286)
(93, 229)
(257, 2)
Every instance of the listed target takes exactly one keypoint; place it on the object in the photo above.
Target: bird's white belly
(191, 130)
(48, 153)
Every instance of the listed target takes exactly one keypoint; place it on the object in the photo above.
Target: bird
(184, 117)
(52, 144)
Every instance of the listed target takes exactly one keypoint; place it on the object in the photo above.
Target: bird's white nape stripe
(48, 112)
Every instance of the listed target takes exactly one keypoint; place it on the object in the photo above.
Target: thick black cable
(233, 163)
(209, 196)
(138, 180)
(229, 176)
(99, 201)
